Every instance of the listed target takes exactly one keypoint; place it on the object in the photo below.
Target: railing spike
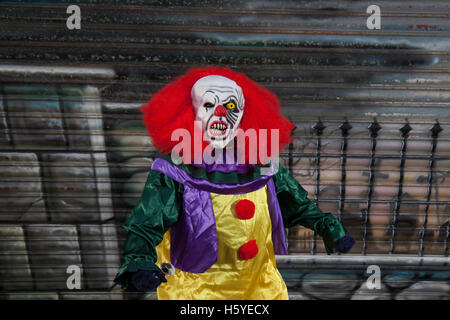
(319, 127)
(435, 129)
(405, 129)
(345, 127)
(374, 127)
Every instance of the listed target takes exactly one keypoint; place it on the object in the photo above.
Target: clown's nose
(220, 111)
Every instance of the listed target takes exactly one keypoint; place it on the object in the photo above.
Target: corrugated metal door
(371, 109)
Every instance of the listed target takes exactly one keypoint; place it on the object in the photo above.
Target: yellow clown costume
(231, 277)
(218, 225)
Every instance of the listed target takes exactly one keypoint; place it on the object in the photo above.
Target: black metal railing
(373, 156)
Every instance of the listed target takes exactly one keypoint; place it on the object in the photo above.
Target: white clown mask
(219, 105)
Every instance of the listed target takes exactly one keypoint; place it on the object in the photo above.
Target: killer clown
(206, 230)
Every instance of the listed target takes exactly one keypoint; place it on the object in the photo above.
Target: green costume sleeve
(157, 209)
(297, 209)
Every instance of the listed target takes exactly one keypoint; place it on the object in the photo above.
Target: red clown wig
(171, 108)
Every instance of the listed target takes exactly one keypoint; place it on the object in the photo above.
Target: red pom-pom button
(249, 250)
(245, 209)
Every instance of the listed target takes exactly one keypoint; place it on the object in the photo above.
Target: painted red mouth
(218, 128)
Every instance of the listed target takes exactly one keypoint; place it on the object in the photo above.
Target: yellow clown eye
(231, 105)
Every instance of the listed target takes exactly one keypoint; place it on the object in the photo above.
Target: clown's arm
(157, 209)
(297, 209)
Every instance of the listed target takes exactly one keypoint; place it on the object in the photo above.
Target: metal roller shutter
(371, 109)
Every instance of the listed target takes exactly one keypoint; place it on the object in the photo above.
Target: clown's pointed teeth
(219, 126)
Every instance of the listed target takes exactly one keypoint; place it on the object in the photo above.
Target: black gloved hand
(345, 243)
(147, 280)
